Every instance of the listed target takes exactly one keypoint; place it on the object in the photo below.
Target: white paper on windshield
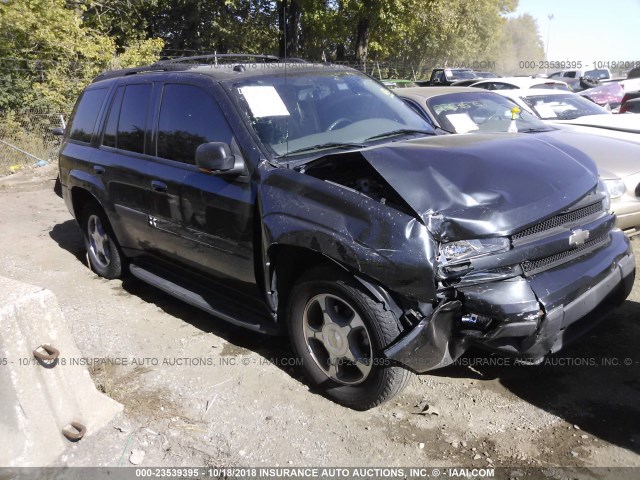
(462, 122)
(545, 110)
(264, 101)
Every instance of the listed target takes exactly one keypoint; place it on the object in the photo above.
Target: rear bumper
(531, 316)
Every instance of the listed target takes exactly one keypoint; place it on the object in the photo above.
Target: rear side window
(189, 117)
(86, 113)
(126, 125)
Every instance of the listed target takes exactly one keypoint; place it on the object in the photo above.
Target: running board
(216, 305)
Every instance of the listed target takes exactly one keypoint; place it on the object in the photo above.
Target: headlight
(455, 251)
(602, 188)
(615, 187)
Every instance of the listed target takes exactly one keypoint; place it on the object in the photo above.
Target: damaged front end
(482, 243)
(525, 291)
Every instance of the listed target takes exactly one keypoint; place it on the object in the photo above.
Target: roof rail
(132, 71)
(216, 56)
(178, 64)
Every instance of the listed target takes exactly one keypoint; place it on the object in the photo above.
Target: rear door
(122, 163)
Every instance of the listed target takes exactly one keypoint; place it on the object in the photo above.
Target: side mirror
(215, 157)
(58, 131)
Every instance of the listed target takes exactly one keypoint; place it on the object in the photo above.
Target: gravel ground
(197, 391)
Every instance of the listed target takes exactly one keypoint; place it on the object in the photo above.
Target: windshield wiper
(535, 130)
(402, 131)
(322, 146)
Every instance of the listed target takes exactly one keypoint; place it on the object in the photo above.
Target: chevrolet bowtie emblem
(579, 237)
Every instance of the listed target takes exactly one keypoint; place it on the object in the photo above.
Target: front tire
(105, 257)
(340, 333)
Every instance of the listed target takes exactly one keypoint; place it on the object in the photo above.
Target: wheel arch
(79, 198)
(289, 263)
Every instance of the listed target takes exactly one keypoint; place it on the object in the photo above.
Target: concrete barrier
(39, 399)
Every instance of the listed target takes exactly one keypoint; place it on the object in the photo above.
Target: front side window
(305, 112)
(86, 112)
(189, 117)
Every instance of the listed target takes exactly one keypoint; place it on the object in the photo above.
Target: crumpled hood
(465, 186)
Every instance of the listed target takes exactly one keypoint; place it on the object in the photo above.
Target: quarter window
(86, 114)
(189, 117)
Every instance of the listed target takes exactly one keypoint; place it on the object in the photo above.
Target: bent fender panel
(432, 343)
(382, 243)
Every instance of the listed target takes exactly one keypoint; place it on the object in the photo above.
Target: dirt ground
(198, 391)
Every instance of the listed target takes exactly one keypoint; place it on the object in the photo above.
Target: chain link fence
(26, 139)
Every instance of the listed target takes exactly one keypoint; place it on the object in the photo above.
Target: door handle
(98, 169)
(159, 186)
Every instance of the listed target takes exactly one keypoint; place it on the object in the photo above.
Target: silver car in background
(469, 110)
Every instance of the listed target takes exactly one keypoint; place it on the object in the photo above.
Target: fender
(90, 183)
(390, 247)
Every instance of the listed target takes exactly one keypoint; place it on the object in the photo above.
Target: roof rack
(216, 56)
(180, 63)
(132, 71)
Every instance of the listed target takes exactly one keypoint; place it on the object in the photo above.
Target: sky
(587, 30)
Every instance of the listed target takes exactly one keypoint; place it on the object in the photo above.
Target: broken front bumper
(530, 316)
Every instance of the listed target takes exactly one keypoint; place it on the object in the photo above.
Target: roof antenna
(284, 23)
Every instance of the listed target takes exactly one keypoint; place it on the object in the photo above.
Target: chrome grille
(559, 220)
(535, 266)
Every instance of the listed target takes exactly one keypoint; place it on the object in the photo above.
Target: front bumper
(531, 316)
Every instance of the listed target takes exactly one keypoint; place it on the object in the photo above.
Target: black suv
(310, 199)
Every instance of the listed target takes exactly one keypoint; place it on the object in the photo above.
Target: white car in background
(595, 73)
(576, 113)
(512, 83)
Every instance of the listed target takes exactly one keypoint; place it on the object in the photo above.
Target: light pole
(546, 53)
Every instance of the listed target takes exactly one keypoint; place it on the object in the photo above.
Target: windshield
(459, 74)
(304, 112)
(598, 74)
(562, 107)
(480, 112)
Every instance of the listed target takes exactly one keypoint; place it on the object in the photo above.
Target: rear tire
(105, 256)
(340, 333)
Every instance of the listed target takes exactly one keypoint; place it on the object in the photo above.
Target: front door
(216, 227)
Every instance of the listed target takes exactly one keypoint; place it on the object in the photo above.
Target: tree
(229, 26)
(289, 16)
(518, 45)
(125, 21)
(47, 55)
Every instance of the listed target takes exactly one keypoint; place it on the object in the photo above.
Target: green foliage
(518, 41)
(48, 55)
(50, 49)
